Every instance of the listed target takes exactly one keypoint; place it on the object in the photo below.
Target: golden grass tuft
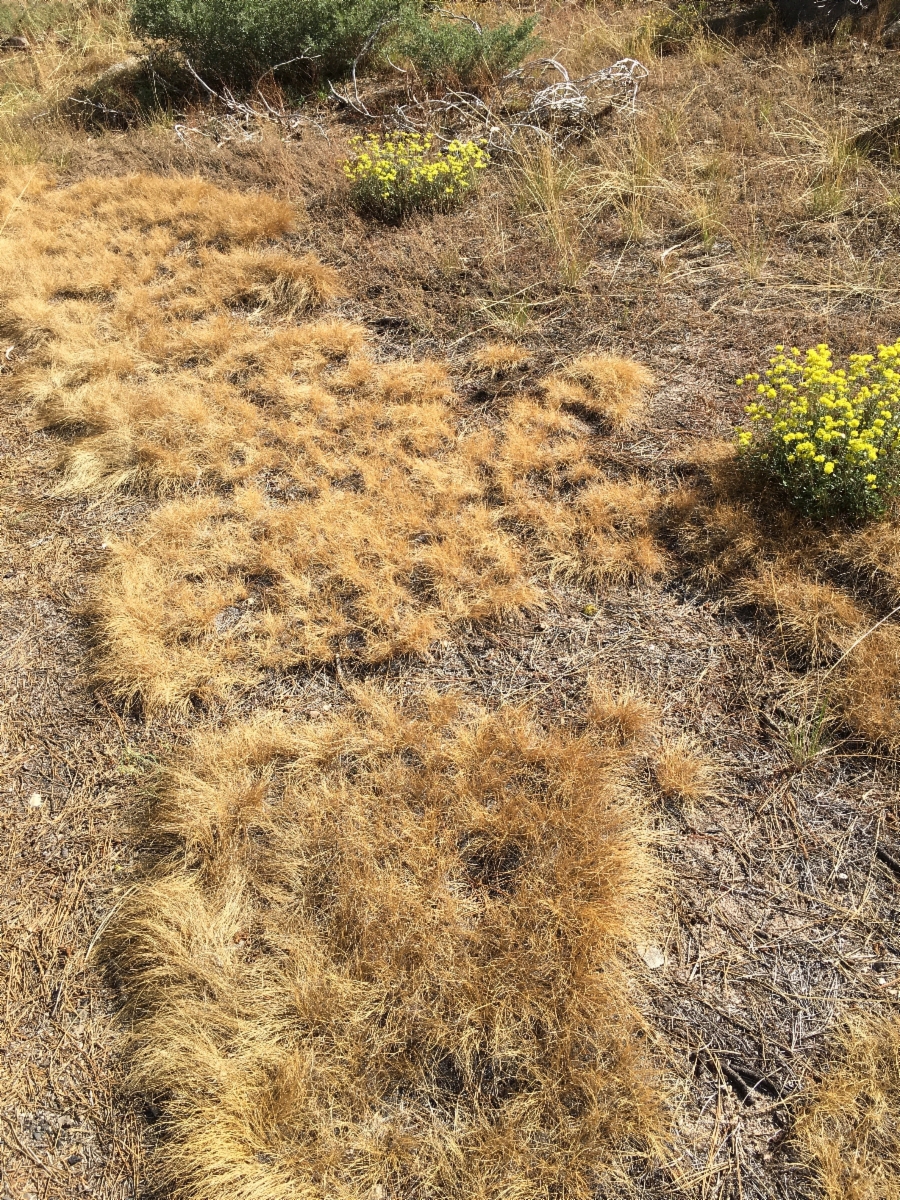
(812, 620)
(209, 595)
(381, 955)
(620, 716)
(850, 1127)
(683, 772)
(272, 284)
(874, 553)
(322, 503)
(766, 556)
(603, 385)
(500, 358)
(713, 525)
(867, 687)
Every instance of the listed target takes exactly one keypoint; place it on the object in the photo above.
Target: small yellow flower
(827, 416)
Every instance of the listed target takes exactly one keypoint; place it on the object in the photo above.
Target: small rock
(35, 800)
(653, 957)
(73, 1159)
(14, 43)
(891, 35)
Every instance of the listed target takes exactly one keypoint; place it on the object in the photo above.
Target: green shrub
(829, 437)
(240, 38)
(392, 177)
(455, 53)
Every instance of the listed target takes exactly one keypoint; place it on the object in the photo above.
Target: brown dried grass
(381, 955)
(874, 553)
(813, 620)
(329, 504)
(867, 687)
(850, 1128)
(763, 555)
(605, 386)
(683, 772)
(500, 358)
(620, 715)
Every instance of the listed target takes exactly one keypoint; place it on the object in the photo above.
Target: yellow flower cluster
(831, 435)
(391, 177)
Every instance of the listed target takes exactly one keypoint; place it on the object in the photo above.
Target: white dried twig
(449, 16)
(356, 102)
(243, 114)
(556, 112)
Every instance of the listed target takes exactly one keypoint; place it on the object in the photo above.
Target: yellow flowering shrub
(830, 436)
(391, 177)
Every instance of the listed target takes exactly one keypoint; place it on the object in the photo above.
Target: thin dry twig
(556, 112)
(248, 113)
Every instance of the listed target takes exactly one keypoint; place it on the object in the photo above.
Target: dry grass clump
(329, 504)
(712, 518)
(611, 535)
(867, 687)
(813, 620)
(500, 358)
(620, 716)
(604, 386)
(683, 772)
(209, 594)
(583, 525)
(380, 956)
(874, 553)
(850, 1129)
(771, 559)
(69, 45)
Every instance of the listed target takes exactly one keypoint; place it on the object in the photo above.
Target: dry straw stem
(850, 1127)
(380, 955)
(327, 503)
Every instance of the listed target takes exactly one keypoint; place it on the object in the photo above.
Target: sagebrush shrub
(242, 38)
(235, 38)
(829, 436)
(458, 53)
(393, 176)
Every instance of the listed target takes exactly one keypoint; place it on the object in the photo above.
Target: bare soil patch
(65, 779)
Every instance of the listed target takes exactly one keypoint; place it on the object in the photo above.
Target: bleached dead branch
(242, 116)
(524, 105)
(555, 112)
